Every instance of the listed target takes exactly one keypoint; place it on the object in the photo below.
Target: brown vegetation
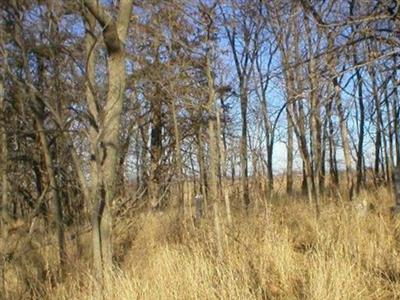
(278, 250)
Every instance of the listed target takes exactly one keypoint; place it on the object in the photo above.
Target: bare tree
(244, 32)
(107, 140)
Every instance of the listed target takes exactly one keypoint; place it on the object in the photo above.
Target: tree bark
(333, 169)
(155, 152)
(4, 184)
(4, 164)
(396, 115)
(107, 142)
(289, 158)
(360, 150)
(244, 164)
(202, 172)
(212, 140)
(178, 156)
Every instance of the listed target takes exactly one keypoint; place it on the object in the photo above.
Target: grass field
(279, 250)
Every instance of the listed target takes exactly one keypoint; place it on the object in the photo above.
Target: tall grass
(279, 250)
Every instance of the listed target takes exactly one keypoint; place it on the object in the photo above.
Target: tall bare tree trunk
(333, 170)
(93, 109)
(390, 157)
(155, 152)
(212, 140)
(360, 150)
(213, 161)
(203, 180)
(4, 165)
(346, 144)
(224, 146)
(322, 175)
(317, 151)
(107, 144)
(178, 156)
(396, 115)
(378, 127)
(298, 118)
(4, 184)
(244, 164)
(224, 190)
(220, 147)
(289, 158)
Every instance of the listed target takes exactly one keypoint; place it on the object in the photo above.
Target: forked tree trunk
(107, 142)
(90, 84)
(109, 146)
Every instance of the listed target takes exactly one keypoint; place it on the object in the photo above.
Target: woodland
(199, 149)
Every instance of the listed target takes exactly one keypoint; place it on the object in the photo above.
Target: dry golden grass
(278, 251)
